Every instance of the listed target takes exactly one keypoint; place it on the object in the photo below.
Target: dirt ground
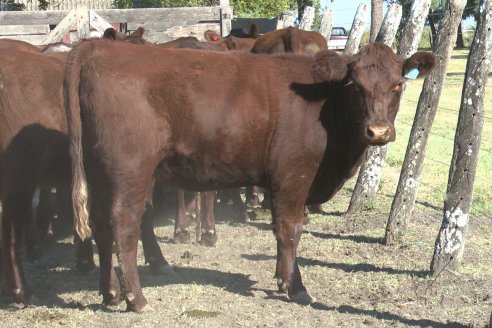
(356, 281)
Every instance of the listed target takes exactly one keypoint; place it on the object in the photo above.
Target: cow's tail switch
(80, 196)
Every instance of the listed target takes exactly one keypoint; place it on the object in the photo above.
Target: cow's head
(370, 84)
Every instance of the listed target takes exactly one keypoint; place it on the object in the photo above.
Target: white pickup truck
(338, 38)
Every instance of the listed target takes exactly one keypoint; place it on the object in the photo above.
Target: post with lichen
(307, 19)
(225, 17)
(450, 241)
(370, 172)
(358, 26)
(406, 192)
(326, 24)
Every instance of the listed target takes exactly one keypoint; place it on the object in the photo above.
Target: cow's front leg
(182, 222)
(287, 227)
(208, 234)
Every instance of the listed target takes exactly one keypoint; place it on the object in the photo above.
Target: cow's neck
(344, 149)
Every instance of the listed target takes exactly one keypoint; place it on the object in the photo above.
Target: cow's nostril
(370, 132)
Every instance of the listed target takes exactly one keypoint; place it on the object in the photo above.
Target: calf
(297, 125)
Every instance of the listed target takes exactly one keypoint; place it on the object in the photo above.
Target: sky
(344, 11)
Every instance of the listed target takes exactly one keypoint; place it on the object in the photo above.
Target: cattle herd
(111, 118)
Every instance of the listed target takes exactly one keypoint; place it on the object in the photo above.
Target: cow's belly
(208, 171)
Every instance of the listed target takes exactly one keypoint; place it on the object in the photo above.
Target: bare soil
(356, 280)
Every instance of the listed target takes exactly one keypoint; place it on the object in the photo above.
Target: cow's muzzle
(380, 134)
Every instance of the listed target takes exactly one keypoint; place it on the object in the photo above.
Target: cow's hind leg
(288, 214)
(16, 215)
(109, 286)
(152, 251)
(127, 208)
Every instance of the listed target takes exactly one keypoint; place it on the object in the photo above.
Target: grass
(440, 144)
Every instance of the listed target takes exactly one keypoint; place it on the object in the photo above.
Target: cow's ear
(138, 33)
(211, 35)
(254, 31)
(109, 33)
(329, 66)
(419, 65)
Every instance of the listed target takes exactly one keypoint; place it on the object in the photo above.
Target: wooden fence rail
(162, 24)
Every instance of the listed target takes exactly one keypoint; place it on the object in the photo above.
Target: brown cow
(34, 153)
(297, 125)
(19, 45)
(237, 40)
(290, 39)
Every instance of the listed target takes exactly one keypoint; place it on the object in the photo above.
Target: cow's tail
(80, 195)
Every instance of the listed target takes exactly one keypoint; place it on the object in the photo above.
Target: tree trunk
(307, 19)
(370, 172)
(376, 18)
(432, 24)
(450, 242)
(406, 192)
(358, 25)
(460, 43)
(326, 24)
(301, 6)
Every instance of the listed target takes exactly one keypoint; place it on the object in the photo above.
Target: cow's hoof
(182, 237)
(282, 286)
(111, 298)
(315, 209)
(302, 298)
(208, 239)
(20, 296)
(137, 305)
(85, 266)
(161, 269)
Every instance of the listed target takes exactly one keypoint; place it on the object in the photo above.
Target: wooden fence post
(407, 188)
(307, 19)
(370, 172)
(357, 29)
(286, 19)
(450, 241)
(412, 32)
(408, 46)
(61, 28)
(225, 17)
(97, 22)
(326, 24)
(83, 18)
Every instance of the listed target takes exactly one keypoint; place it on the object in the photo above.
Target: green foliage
(164, 3)
(242, 8)
(14, 6)
(260, 8)
(43, 4)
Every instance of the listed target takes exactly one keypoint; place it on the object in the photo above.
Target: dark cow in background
(290, 39)
(297, 125)
(34, 153)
